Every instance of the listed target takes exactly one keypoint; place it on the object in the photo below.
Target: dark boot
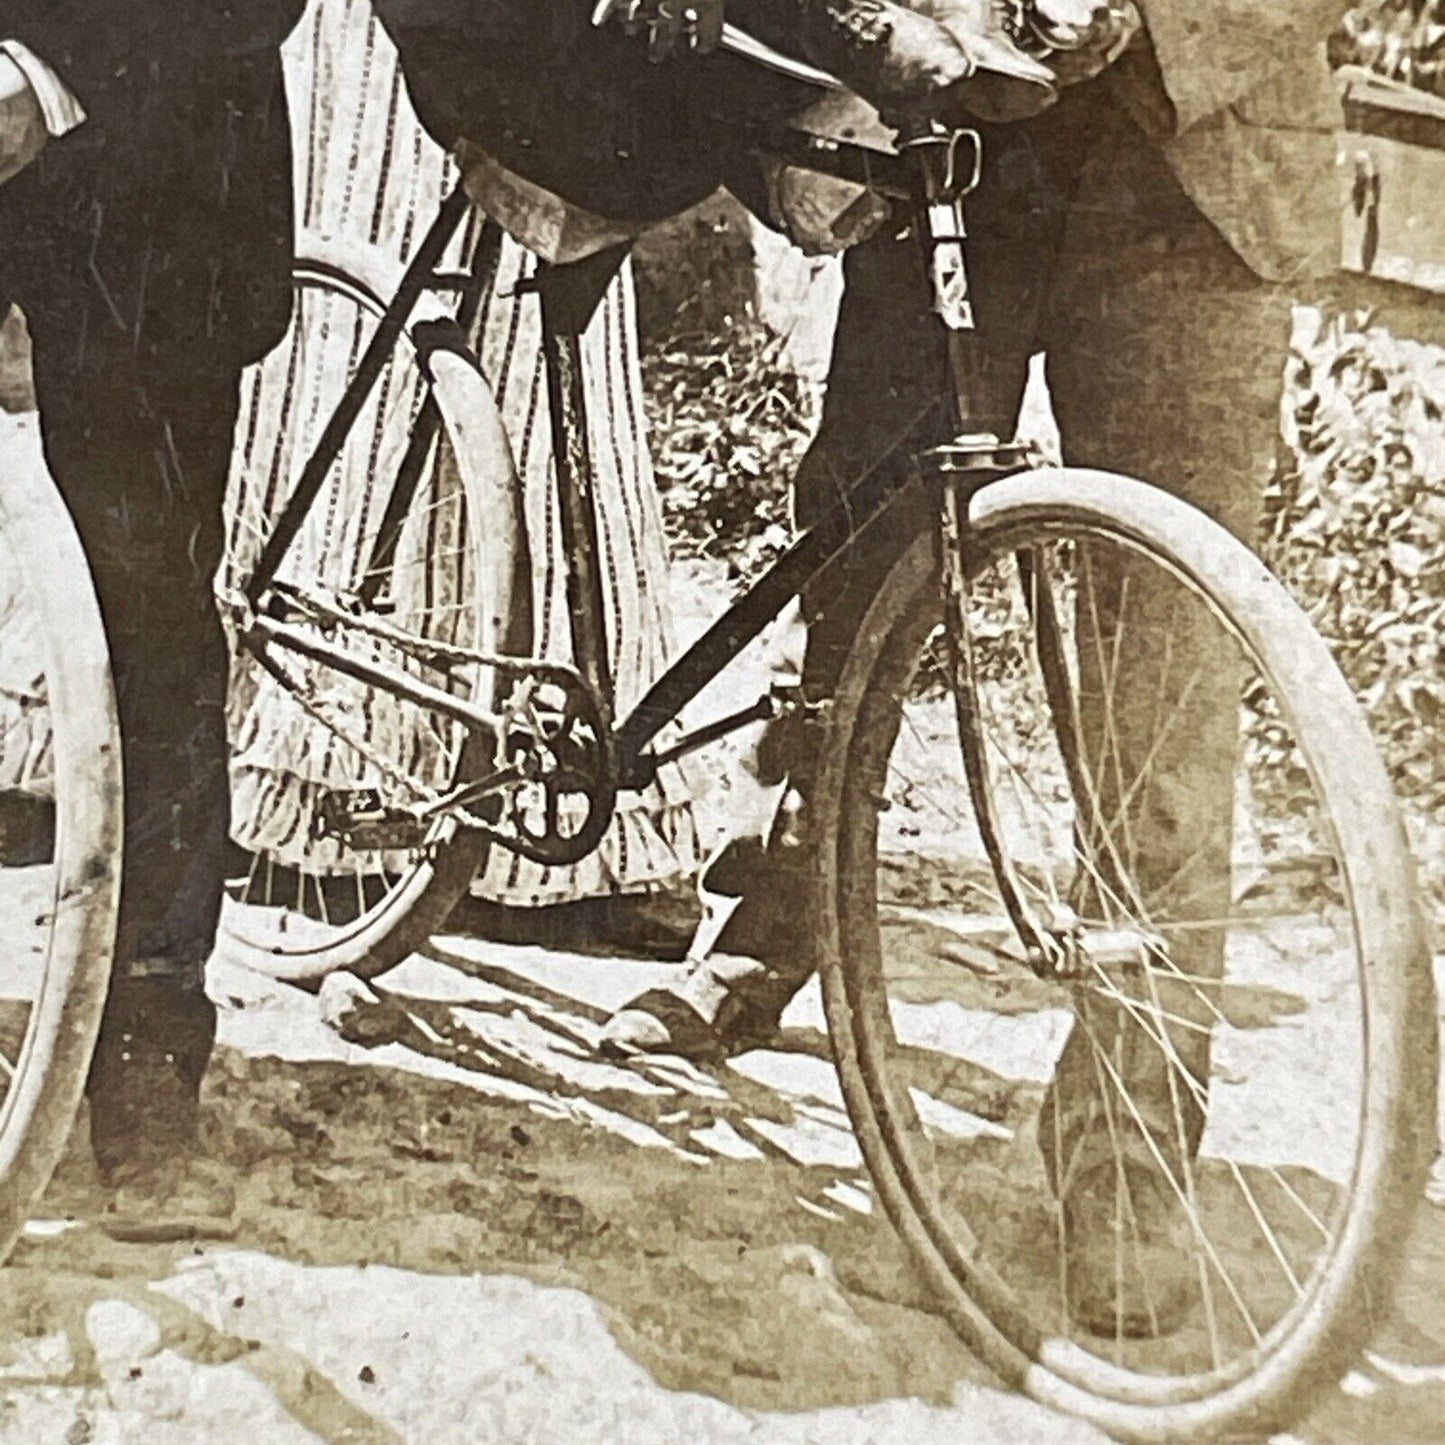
(145, 1078)
(732, 994)
(1131, 1258)
(144, 1092)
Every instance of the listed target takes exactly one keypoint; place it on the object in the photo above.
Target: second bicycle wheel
(60, 828)
(313, 747)
(1123, 964)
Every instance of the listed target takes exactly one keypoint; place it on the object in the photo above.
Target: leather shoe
(145, 1077)
(750, 956)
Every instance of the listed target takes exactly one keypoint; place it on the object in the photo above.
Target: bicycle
(969, 845)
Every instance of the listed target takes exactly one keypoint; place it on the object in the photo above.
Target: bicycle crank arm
(780, 699)
(265, 632)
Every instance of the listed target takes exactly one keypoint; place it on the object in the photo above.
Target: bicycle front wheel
(411, 554)
(60, 831)
(1123, 964)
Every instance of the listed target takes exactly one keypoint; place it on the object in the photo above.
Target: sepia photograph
(722, 721)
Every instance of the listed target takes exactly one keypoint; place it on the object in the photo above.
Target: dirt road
(458, 1225)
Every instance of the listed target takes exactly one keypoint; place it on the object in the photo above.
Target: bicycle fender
(482, 450)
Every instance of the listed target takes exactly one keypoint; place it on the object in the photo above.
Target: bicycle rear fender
(482, 450)
(470, 417)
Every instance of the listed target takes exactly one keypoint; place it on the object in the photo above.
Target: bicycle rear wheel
(310, 745)
(1232, 1048)
(60, 832)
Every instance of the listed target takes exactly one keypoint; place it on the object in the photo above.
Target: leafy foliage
(730, 423)
(1356, 525)
(1401, 39)
(1355, 517)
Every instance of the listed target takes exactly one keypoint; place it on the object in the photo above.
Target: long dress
(369, 177)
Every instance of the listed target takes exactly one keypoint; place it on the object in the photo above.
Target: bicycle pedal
(786, 695)
(361, 820)
(788, 699)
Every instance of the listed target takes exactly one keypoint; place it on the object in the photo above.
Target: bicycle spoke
(1124, 1198)
(1177, 1071)
(1201, 1237)
(1135, 790)
(1292, 1195)
(1159, 1036)
(1115, 995)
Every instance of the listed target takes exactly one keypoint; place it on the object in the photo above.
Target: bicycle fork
(1055, 942)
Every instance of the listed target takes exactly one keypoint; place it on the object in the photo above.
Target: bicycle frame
(927, 173)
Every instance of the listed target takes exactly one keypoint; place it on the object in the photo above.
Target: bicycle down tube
(971, 459)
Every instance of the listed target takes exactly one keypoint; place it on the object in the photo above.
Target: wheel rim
(890, 1035)
(60, 834)
(306, 741)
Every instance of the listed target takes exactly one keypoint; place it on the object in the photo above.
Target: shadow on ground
(458, 1223)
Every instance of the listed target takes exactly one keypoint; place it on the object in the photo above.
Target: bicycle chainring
(557, 775)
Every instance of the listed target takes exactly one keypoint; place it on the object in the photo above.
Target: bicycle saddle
(837, 116)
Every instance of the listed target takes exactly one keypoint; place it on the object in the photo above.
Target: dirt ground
(458, 1224)
(468, 1228)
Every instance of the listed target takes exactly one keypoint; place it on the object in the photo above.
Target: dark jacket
(577, 109)
(173, 200)
(1235, 92)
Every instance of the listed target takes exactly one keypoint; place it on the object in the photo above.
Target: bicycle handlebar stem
(948, 178)
(945, 185)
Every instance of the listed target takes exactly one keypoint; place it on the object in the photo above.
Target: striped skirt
(369, 181)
